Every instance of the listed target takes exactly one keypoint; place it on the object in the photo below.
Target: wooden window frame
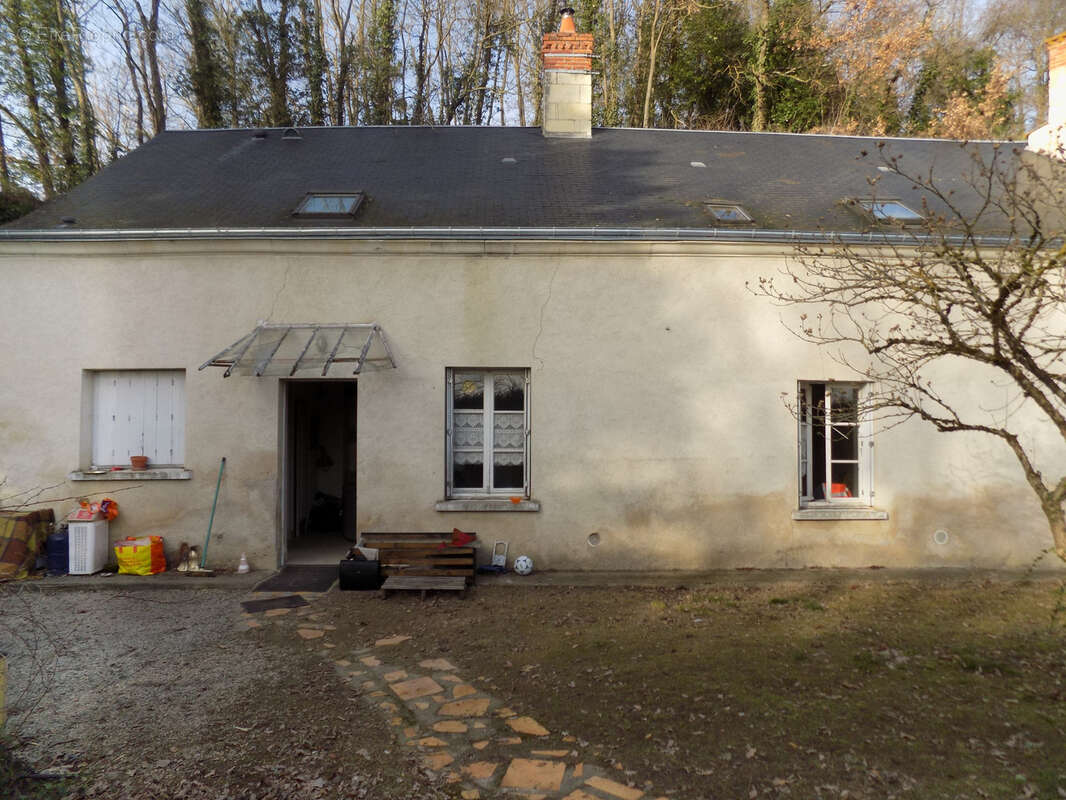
(487, 489)
(805, 446)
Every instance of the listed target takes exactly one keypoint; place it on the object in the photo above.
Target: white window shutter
(138, 412)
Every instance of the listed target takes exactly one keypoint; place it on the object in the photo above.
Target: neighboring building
(1051, 137)
(554, 342)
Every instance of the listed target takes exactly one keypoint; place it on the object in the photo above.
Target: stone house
(541, 335)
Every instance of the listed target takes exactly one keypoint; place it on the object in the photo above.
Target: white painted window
(835, 445)
(138, 412)
(487, 437)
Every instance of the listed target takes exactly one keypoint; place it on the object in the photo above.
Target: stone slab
(432, 741)
(481, 770)
(391, 641)
(416, 687)
(534, 773)
(527, 726)
(473, 707)
(440, 664)
(438, 760)
(450, 726)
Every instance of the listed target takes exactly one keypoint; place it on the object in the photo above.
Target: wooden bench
(421, 555)
(423, 584)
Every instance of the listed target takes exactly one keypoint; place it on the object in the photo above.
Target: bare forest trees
(80, 79)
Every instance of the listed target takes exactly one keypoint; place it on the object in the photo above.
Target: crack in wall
(280, 292)
(540, 322)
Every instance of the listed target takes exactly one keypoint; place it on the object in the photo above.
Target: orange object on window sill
(838, 490)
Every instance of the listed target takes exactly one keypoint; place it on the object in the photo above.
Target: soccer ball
(523, 565)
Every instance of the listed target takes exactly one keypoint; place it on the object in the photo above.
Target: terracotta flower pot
(139, 462)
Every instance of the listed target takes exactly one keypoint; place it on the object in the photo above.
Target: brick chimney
(567, 81)
(1051, 138)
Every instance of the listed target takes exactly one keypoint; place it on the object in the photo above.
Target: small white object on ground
(243, 567)
(523, 565)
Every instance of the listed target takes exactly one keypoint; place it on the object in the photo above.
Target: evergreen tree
(204, 73)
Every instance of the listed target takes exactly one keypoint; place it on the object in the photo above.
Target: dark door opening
(319, 484)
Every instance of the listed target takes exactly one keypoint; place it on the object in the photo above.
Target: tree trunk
(759, 78)
(653, 46)
(153, 81)
(343, 59)
(1056, 519)
(204, 72)
(16, 20)
(421, 72)
(74, 53)
(131, 65)
(64, 135)
(5, 175)
(520, 95)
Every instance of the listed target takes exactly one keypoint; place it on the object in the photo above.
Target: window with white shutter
(138, 412)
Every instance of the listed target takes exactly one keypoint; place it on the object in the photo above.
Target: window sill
(155, 474)
(838, 513)
(486, 504)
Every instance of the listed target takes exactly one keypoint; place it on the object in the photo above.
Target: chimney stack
(1051, 138)
(567, 81)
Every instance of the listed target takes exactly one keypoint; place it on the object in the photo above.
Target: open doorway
(318, 508)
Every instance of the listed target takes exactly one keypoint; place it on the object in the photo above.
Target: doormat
(301, 578)
(288, 601)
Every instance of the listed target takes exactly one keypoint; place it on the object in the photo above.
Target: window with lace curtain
(487, 432)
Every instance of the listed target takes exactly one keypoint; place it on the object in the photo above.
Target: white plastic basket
(87, 546)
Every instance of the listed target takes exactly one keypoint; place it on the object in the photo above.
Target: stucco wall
(657, 413)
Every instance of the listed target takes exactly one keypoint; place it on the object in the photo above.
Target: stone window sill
(159, 474)
(486, 504)
(838, 513)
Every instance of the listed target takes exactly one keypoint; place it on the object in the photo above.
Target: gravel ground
(163, 693)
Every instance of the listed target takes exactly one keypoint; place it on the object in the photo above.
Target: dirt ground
(802, 687)
(165, 694)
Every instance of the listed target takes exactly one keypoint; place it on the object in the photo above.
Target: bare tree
(901, 311)
(148, 41)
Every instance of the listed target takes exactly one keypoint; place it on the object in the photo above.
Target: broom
(201, 570)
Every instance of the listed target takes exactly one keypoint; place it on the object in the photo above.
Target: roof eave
(723, 234)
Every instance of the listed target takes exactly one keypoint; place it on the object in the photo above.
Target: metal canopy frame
(261, 353)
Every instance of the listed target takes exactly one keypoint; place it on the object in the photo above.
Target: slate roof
(457, 177)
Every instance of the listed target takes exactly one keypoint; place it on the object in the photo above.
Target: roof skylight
(890, 211)
(322, 204)
(727, 213)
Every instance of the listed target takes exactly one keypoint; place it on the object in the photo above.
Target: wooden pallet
(423, 584)
(421, 555)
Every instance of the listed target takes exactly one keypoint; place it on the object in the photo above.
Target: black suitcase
(359, 574)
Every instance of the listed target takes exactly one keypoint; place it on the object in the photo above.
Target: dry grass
(794, 689)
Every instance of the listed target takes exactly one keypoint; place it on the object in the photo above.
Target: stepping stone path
(463, 734)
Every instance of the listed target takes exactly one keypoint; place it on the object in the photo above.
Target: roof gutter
(733, 235)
